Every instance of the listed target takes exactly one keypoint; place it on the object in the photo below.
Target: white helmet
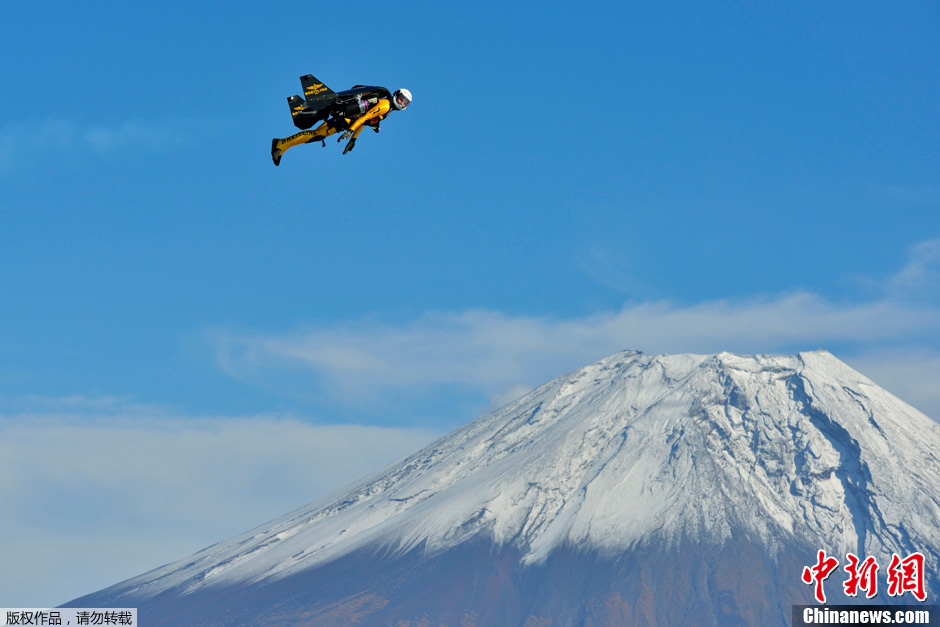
(401, 99)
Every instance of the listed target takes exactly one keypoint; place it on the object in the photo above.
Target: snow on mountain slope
(629, 451)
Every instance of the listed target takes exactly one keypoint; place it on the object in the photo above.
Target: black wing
(316, 93)
(314, 105)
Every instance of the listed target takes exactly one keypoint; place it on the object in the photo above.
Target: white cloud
(612, 269)
(129, 134)
(919, 279)
(492, 352)
(90, 499)
(23, 144)
(923, 196)
(499, 355)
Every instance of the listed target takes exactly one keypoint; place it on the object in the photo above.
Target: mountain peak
(632, 451)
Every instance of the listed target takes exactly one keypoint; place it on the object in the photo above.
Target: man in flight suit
(375, 114)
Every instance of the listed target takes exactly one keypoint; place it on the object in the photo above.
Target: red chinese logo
(864, 576)
(819, 573)
(907, 575)
(904, 575)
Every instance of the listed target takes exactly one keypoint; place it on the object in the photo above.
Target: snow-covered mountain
(637, 490)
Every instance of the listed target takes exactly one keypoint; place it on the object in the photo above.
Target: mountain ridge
(632, 453)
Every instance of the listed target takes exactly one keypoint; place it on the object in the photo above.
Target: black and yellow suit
(372, 117)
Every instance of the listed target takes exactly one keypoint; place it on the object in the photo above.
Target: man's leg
(280, 146)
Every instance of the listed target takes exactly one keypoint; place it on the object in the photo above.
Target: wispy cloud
(612, 269)
(492, 352)
(921, 196)
(919, 279)
(106, 140)
(92, 497)
(22, 144)
(499, 354)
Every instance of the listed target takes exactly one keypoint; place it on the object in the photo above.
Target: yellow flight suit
(372, 117)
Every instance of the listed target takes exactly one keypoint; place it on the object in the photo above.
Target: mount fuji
(640, 490)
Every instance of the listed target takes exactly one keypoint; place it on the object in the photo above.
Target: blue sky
(195, 341)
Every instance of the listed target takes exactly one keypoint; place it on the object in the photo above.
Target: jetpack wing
(316, 94)
(314, 105)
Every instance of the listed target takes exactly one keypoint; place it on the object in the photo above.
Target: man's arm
(380, 110)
